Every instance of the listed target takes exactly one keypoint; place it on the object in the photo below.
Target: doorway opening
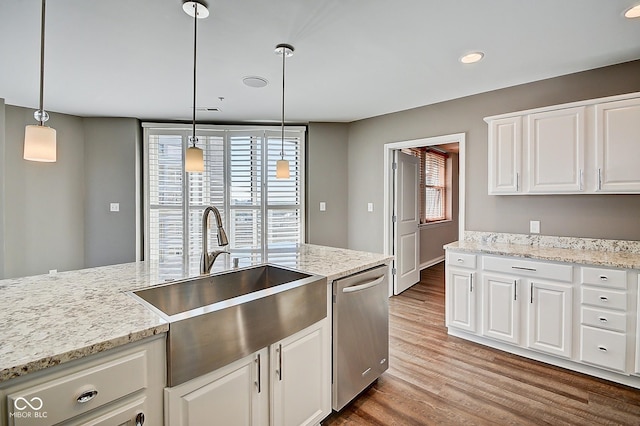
(415, 233)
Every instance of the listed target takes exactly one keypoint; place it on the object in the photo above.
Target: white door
(461, 299)
(556, 150)
(550, 318)
(618, 146)
(301, 379)
(236, 394)
(500, 308)
(407, 219)
(505, 156)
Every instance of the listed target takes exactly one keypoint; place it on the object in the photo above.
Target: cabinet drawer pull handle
(604, 298)
(603, 278)
(522, 268)
(602, 348)
(603, 319)
(460, 260)
(87, 396)
(471, 283)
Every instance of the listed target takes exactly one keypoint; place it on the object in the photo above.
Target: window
(434, 186)
(260, 213)
(433, 183)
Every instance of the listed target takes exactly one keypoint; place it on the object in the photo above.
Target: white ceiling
(354, 58)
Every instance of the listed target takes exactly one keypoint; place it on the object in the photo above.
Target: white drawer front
(609, 299)
(462, 260)
(61, 399)
(528, 268)
(604, 348)
(602, 318)
(614, 278)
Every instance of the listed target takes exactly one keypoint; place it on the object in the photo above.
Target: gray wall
(327, 181)
(434, 236)
(111, 171)
(44, 205)
(56, 215)
(597, 216)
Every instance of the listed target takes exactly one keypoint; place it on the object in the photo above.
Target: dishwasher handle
(364, 286)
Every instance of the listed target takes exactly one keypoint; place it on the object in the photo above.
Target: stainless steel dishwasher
(360, 332)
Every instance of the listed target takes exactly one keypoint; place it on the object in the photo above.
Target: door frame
(388, 194)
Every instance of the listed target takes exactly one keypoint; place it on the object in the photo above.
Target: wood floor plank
(437, 379)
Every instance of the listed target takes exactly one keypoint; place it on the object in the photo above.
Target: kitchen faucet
(207, 259)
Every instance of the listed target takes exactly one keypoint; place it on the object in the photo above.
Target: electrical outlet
(114, 207)
(369, 207)
(534, 226)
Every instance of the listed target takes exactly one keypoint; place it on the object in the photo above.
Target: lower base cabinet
(581, 317)
(121, 386)
(288, 383)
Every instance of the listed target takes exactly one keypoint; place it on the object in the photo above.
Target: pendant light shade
(40, 143)
(194, 160)
(282, 165)
(40, 140)
(282, 169)
(194, 157)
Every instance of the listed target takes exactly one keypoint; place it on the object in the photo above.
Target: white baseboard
(431, 262)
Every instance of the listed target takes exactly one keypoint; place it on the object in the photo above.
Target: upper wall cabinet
(618, 146)
(505, 149)
(581, 148)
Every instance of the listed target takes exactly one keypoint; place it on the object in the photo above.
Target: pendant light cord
(284, 54)
(195, 44)
(44, 7)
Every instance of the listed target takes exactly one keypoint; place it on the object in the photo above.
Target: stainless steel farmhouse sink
(217, 319)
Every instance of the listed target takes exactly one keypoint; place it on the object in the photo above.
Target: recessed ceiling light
(472, 57)
(633, 12)
(253, 81)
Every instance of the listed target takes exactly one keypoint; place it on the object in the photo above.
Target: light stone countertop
(604, 257)
(48, 320)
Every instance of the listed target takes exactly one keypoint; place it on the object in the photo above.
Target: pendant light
(40, 140)
(282, 165)
(194, 159)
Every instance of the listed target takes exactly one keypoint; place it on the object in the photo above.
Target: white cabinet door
(618, 146)
(505, 155)
(461, 299)
(550, 317)
(501, 308)
(555, 144)
(300, 390)
(236, 394)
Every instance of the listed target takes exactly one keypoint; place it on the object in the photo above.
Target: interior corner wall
(2, 185)
(44, 209)
(327, 182)
(110, 177)
(594, 216)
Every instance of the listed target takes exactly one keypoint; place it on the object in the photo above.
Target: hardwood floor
(436, 379)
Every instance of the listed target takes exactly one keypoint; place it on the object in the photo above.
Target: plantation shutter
(435, 186)
(259, 212)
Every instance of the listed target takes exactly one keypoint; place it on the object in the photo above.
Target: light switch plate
(323, 206)
(369, 207)
(534, 226)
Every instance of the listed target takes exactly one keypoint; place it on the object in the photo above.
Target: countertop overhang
(48, 320)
